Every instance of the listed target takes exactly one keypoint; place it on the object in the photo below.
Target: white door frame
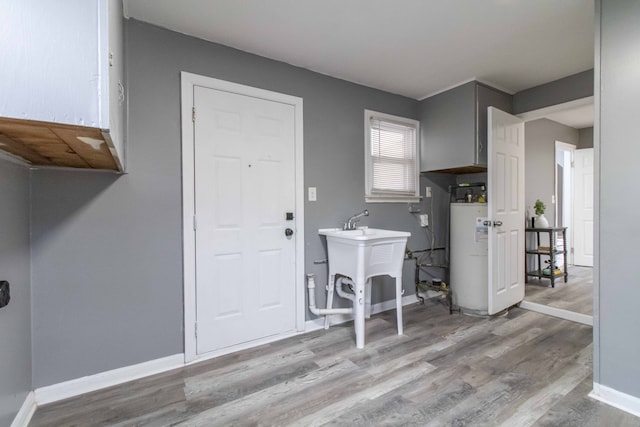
(188, 81)
(569, 244)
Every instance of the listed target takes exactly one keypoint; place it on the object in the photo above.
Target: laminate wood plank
(576, 409)
(519, 369)
(574, 295)
(240, 408)
(376, 387)
(528, 411)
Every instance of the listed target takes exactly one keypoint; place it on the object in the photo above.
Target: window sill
(389, 199)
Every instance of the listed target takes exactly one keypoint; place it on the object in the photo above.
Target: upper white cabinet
(61, 82)
(454, 128)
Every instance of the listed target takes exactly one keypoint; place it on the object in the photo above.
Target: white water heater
(468, 257)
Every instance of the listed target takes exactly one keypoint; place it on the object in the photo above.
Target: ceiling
(578, 117)
(414, 48)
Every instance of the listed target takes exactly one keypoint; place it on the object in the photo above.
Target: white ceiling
(579, 117)
(410, 47)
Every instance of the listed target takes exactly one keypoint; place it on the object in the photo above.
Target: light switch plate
(312, 194)
(427, 191)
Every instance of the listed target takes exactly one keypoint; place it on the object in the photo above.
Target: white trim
(389, 197)
(75, 387)
(545, 111)
(28, 408)
(559, 145)
(374, 199)
(617, 399)
(337, 319)
(188, 81)
(243, 346)
(557, 312)
(464, 82)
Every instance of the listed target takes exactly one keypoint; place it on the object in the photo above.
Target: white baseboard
(243, 346)
(64, 390)
(337, 319)
(585, 319)
(617, 399)
(28, 408)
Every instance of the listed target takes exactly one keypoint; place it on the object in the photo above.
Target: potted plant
(540, 220)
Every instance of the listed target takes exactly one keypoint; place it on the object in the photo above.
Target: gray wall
(617, 347)
(570, 88)
(107, 267)
(585, 139)
(15, 318)
(540, 161)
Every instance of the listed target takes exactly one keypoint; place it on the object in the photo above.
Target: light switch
(427, 191)
(312, 194)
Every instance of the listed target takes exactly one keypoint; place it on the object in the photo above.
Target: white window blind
(392, 157)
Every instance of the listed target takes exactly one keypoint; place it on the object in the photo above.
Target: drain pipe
(311, 285)
(340, 290)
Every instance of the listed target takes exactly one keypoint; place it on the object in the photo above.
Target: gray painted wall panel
(107, 250)
(15, 318)
(585, 138)
(107, 275)
(567, 89)
(619, 234)
(448, 130)
(540, 146)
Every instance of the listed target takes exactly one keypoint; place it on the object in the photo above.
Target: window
(391, 158)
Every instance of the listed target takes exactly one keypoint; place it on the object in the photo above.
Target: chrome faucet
(351, 222)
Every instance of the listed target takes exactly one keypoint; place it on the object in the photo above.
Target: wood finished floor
(576, 295)
(518, 370)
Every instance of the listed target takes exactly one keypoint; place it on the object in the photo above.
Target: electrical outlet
(427, 192)
(424, 220)
(312, 194)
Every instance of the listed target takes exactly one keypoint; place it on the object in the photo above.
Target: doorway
(243, 219)
(553, 180)
(564, 193)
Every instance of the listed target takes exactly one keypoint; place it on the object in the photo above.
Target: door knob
(497, 223)
(288, 232)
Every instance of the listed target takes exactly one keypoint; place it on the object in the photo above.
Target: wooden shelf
(550, 252)
(55, 144)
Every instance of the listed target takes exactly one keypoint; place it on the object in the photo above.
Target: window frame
(388, 197)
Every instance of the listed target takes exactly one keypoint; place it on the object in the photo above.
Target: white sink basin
(363, 233)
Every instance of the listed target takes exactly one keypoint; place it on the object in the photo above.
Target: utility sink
(365, 251)
(362, 254)
(363, 233)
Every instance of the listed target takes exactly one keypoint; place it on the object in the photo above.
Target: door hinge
(195, 223)
(573, 164)
(572, 251)
(193, 114)
(196, 330)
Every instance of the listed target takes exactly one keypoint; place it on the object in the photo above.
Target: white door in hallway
(583, 207)
(244, 186)
(505, 209)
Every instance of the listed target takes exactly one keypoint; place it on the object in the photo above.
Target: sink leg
(330, 287)
(367, 299)
(399, 303)
(358, 312)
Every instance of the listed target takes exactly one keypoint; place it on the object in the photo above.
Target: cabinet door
(447, 123)
(487, 97)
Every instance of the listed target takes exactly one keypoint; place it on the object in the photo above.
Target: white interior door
(505, 209)
(583, 207)
(244, 186)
